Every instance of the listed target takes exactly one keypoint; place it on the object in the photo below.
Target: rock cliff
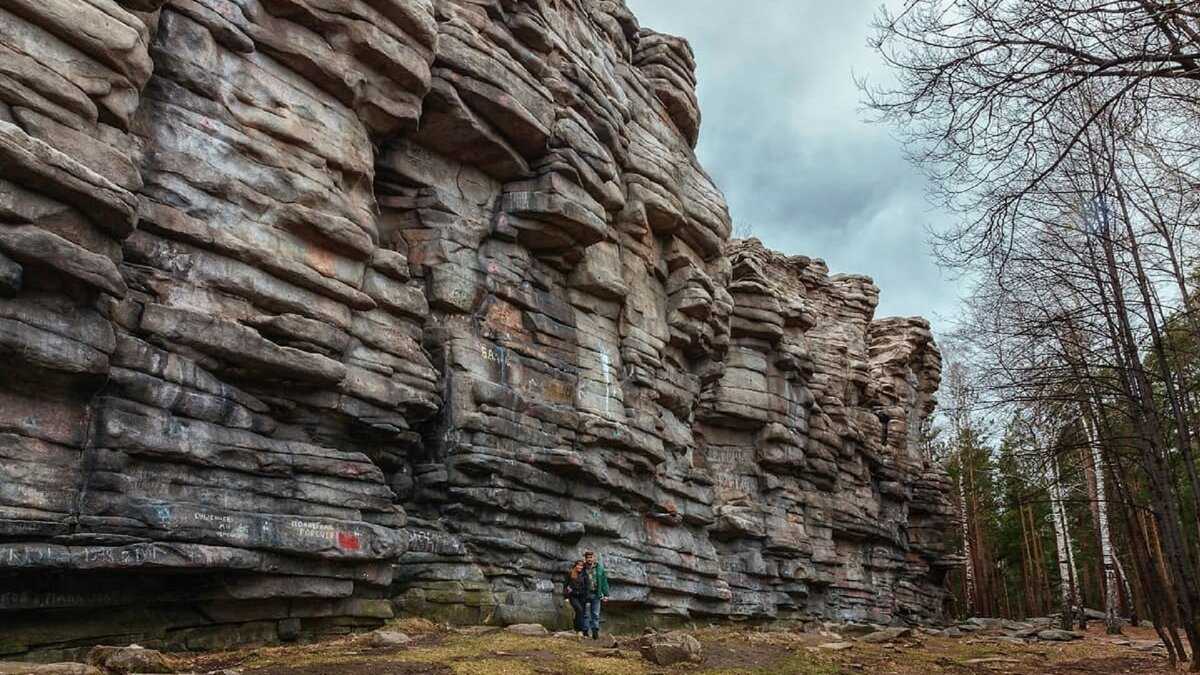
(312, 311)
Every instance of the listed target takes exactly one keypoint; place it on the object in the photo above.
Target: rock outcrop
(315, 310)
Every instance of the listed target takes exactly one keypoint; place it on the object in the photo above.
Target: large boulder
(668, 649)
(131, 659)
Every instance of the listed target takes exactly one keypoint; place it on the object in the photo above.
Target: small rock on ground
(667, 649)
(1058, 635)
(857, 629)
(388, 638)
(886, 635)
(1097, 615)
(837, 646)
(131, 659)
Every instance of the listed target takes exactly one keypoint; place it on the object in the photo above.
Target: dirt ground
(727, 651)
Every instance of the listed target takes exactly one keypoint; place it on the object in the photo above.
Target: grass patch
(413, 626)
(305, 659)
(727, 651)
(951, 650)
(492, 667)
(599, 665)
(461, 647)
(798, 664)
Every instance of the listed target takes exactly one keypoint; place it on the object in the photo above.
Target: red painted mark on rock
(348, 540)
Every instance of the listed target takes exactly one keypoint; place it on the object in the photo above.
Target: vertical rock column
(67, 101)
(572, 250)
(217, 452)
(71, 77)
(826, 505)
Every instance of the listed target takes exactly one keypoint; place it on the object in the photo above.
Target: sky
(785, 137)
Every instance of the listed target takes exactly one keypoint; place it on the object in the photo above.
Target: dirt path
(727, 651)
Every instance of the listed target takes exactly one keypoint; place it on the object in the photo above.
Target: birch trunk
(1062, 541)
(1111, 620)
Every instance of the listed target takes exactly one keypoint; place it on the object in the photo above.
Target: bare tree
(986, 94)
(961, 405)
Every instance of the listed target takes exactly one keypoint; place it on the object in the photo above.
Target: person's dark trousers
(593, 616)
(581, 614)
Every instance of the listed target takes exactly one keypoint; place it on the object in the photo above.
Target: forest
(1063, 135)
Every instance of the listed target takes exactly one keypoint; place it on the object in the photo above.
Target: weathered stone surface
(17, 668)
(131, 659)
(197, 394)
(315, 311)
(668, 649)
(886, 635)
(31, 244)
(10, 276)
(1058, 635)
(386, 639)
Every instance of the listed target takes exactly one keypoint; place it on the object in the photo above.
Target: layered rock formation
(315, 310)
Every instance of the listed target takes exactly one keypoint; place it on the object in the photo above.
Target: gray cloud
(784, 137)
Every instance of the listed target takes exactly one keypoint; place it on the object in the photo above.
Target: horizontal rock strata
(313, 311)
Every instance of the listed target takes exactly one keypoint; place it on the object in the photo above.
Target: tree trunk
(1062, 542)
(968, 571)
(1112, 622)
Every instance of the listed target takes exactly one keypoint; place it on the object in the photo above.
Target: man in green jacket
(597, 588)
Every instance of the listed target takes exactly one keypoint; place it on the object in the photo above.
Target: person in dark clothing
(597, 593)
(576, 592)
